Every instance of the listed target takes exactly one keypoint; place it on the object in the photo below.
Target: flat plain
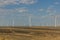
(30, 33)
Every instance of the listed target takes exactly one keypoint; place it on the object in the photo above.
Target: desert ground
(30, 33)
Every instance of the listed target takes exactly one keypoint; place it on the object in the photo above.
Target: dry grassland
(30, 33)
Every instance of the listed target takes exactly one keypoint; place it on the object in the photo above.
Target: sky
(29, 12)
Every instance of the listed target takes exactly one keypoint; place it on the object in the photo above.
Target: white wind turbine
(55, 20)
(2, 19)
(2, 24)
(30, 20)
(23, 10)
(13, 22)
(8, 22)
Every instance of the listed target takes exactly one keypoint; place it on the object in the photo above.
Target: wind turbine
(13, 22)
(55, 20)
(46, 24)
(30, 20)
(7, 24)
(2, 21)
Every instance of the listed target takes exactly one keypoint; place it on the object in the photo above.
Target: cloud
(56, 3)
(41, 9)
(22, 10)
(7, 2)
(51, 6)
(4, 12)
(27, 1)
(51, 10)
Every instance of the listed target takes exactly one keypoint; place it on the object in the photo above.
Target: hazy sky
(42, 12)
